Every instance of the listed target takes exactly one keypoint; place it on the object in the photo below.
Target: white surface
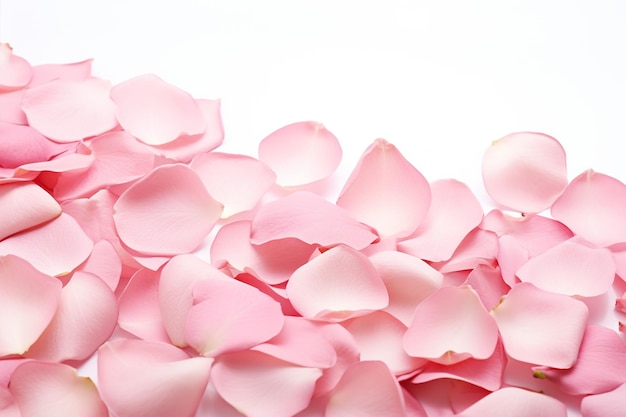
(439, 79)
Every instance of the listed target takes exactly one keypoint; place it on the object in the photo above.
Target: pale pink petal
(516, 402)
(167, 212)
(593, 206)
(95, 216)
(511, 256)
(454, 212)
(445, 397)
(413, 407)
(478, 248)
(367, 389)
(619, 256)
(236, 181)
(105, 263)
(409, 280)
(273, 262)
(23, 206)
(55, 390)
(608, 404)
(27, 304)
(525, 171)
(70, 110)
(48, 72)
(260, 385)
(8, 406)
(10, 102)
(338, 284)
(571, 268)
(488, 283)
(540, 327)
(55, 248)
(21, 145)
(62, 163)
(228, 315)
(212, 405)
(451, 325)
(386, 192)
(277, 293)
(600, 367)
(85, 318)
(138, 378)
(301, 153)
(156, 112)
(311, 219)
(15, 71)
(379, 338)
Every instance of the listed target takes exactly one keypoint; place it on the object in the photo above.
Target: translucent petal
(15, 71)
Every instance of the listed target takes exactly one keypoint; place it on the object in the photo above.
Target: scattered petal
(21, 145)
(516, 402)
(488, 284)
(105, 263)
(15, 71)
(608, 404)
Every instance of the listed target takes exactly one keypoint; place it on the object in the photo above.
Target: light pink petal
(409, 280)
(386, 192)
(619, 256)
(525, 171)
(23, 206)
(454, 212)
(15, 71)
(65, 162)
(138, 378)
(593, 206)
(571, 268)
(21, 145)
(511, 256)
(167, 212)
(311, 219)
(516, 402)
(260, 385)
(10, 103)
(94, 215)
(156, 112)
(276, 293)
(236, 181)
(55, 390)
(601, 364)
(488, 283)
(338, 284)
(212, 405)
(70, 110)
(367, 389)
(72, 71)
(27, 304)
(85, 318)
(608, 404)
(105, 263)
(445, 397)
(301, 153)
(273, 262)
(8, 406)
(478, 248)
(228, 315)
(540, 327)
(379, 338)
(55, 248)
(451, 325)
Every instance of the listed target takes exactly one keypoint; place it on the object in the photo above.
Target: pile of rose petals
(402, 298)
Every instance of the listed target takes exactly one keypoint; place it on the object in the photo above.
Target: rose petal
(72, 71)
(156, 112)
(386, 192)
(609, 404)
(21, 145)
(105, 263)
(516, 402)
(488, 283)
(15, 71)
(8, 406)
(478, 248)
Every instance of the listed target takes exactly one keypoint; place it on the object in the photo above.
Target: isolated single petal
(593, 206)
(15, 71)
(540, 327)
(525, 171)
(386, 192)
(338, 284)
(21, 145)
(608, 404)
(167, 212)
(301, 153)
(516, 402)
(25, 205)
(156, 112)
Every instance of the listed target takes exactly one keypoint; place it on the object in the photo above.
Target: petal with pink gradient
(139, 378)
(260, 385)
(21, 145)
(70, 110)
(72, 71)
(386, 192)
(156, 112)
(451, 325)
(65, 162)
(301, 153)
(525, 171)
(593, 206)
(478, 248)
(336, 285)
(46, 251)
(25, 205)
(105, 263)
(94, 215)
(236, 181)
(540, 327)
(8, 406)
(608, 404)
(516, 402)
(167, 212)
(55, 390)
(27, 304)
(454, 212)
(311, 219)
(15, 71)
(488, 283)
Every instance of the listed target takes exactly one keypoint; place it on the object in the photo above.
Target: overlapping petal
(608, 404)
(25, 205)
(516, 402)
(15, 71)
(21, 145)
(8, 406)
(105, 263)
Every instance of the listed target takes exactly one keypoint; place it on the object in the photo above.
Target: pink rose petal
(386, 192)
(488, 283)
(167, 212)
(15, 71)
(540, 327)
(21, 145)
(301, 153)
(525, 171)
(72, 71)
(55, 390)
(105, 263)
(608, 404)
(8, 406)
(338, 284)
(156, 112)
(478, 248)
(70, 110)
(516, 402)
